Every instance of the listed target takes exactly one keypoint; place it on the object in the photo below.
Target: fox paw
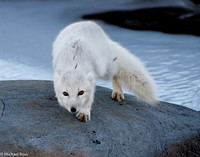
(117, 96)
(83, 117)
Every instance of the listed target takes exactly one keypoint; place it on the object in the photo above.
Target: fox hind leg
(117, 93)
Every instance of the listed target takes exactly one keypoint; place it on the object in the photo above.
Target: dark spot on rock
(94, 132)
(97, 142)
(39, 136)
(124, 144)
(137, 109)
(72, 153)
(120, 104)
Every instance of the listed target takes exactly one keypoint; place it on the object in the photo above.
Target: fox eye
(65, 94)
(81, 92)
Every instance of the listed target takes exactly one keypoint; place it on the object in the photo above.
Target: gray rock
(32, 122)
(177, 16)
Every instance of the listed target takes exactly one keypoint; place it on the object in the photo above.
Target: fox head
(74, 89)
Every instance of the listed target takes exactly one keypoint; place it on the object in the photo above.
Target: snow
(28, 28)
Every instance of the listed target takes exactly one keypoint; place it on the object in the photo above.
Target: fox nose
(73, 109)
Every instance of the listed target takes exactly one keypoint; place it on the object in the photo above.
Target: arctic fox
(82, 52)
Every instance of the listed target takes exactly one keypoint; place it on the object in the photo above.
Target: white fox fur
(82, 52)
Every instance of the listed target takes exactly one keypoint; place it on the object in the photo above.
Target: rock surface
(32, 122)
(178, 20)
(188, 148)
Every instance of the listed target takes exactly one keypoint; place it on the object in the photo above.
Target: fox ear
(91, 76)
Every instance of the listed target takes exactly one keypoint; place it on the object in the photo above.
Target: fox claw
(83, 117)
(117, 96)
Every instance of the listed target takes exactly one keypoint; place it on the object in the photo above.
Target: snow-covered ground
(28, 28)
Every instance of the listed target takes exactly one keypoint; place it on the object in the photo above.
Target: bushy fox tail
(133, 75)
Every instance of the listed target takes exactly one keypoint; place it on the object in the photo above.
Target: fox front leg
(84, 114)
